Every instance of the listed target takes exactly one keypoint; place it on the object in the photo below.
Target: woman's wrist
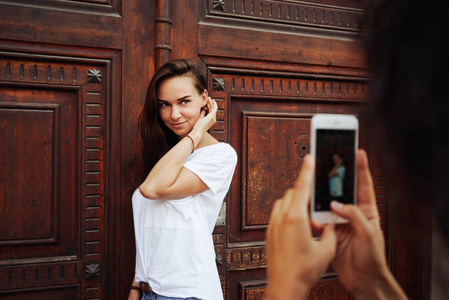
(196, 137)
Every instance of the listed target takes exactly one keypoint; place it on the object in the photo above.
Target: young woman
(188, 173)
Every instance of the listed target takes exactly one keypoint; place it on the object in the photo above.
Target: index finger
(365, 189)
(303, 188)
(214, 105)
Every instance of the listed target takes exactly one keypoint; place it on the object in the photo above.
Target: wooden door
(73, 75)
(271, 66)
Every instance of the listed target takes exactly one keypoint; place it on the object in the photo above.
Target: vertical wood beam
(162, 34)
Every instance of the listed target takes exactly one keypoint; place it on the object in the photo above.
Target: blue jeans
(152, 296)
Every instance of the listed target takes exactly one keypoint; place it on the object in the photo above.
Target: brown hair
(157, 139)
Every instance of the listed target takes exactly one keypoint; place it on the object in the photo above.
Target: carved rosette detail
(93, 270)
(94, 76)
(219, 5)
(218, 84)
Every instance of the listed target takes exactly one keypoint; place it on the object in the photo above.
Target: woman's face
(337, 159)
(180, 104)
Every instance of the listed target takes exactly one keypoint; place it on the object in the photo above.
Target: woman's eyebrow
(183, 98)
(180, 99)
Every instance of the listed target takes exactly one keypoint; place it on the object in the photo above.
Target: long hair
(157, 139)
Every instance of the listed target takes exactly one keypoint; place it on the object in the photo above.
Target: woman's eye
(185, 101)
(162, 105)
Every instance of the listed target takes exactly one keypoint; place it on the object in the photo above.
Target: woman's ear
(204, 97)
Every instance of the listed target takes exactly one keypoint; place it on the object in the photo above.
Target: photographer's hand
(295, 258)
(360, 258)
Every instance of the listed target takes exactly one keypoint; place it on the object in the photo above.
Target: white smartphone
(334, 144)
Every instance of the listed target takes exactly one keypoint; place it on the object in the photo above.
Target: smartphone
(334, 144)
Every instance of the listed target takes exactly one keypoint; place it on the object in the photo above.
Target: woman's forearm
(166, 171)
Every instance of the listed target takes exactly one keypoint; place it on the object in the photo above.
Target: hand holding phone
(334, 143)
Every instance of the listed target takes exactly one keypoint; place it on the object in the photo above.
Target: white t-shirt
(336, 182)
(174, 248)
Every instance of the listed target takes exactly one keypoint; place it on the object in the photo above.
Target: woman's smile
(179, 125)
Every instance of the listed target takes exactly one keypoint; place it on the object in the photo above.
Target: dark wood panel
(330, 287)
(253, 290)
(246, 284)
(316, 49)
(273, 146)
(29, 139)
(61, 22)
(39, 187)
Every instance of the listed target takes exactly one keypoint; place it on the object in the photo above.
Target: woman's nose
(175, 113)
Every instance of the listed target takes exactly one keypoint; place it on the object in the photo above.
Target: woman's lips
(179, 125)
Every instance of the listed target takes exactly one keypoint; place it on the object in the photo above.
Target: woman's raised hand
(206, 121)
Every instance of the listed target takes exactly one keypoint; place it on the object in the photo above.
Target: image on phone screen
(334, 173)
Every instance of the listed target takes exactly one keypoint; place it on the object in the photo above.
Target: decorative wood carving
(219, 5)
(93, 76)
(92, 270)
(293, 13)
(248, 257)
(218, 84)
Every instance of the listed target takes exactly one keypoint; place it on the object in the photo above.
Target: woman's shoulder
(218, 153)
(220, 147)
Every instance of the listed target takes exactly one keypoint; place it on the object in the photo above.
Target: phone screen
(334, 172)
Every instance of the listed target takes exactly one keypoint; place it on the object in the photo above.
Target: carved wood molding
(254, 289)
(247, 257)
(34, 276)
(294, 87)
(298, 13)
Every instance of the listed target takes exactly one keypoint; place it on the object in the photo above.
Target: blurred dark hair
(157, 139)
(408, 57)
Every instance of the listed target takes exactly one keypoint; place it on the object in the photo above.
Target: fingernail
(336, 205)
